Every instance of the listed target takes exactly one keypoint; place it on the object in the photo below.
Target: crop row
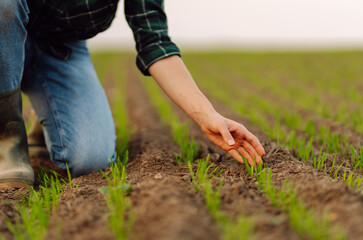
(301, 219)
(121, 216)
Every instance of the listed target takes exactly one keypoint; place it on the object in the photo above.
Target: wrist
(203, 115)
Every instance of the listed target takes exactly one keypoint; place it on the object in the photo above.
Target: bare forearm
(173, 77)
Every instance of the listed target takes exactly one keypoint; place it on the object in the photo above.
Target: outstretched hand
(233, 137)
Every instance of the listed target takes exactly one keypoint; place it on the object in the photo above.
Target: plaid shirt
(55, 23)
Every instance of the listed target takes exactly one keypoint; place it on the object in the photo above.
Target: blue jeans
(66, 95)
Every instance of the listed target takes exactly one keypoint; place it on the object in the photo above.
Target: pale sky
(252, 24)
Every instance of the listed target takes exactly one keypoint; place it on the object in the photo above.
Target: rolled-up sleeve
(148, 22)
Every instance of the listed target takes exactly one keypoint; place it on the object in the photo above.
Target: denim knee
(11, 10)
(83, 158)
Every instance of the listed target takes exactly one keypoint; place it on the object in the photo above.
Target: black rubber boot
(15, 169)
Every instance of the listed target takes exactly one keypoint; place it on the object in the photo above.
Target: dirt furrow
(166, 206)
(82, 212)
(8, 210)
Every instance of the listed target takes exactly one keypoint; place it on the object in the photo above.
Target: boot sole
(12, 185)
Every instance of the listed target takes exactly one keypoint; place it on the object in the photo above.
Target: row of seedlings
(39, 205)
(116, 194)
(243, 227)
(301, 219)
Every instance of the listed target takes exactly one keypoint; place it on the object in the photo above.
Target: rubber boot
(36, 140)
(15, 169)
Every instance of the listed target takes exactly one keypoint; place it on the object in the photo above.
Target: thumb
(227, 136)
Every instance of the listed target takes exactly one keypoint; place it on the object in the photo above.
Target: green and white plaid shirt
(55, 23)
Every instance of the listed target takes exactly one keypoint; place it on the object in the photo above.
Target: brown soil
(8, 199)
(82, 212)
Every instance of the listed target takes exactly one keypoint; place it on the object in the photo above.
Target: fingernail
(231, 142)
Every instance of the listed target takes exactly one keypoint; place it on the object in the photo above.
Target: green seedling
(303, 220)
(201, 181)
(37, 207)
(310, 128)
(337, 171)
(332, 166)
(277, 128)
(332, 143)
(319, 163)
(305, 150)
(119, 205)
(357, 157)
(189, 149)
(243, 228)
(213, 200)
(292, 141)
(68, 182)
(70, 185)
(204, 173)
(352, 181)
(252, 170)
(117, 174)
(291, 120)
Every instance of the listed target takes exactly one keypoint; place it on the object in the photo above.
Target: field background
(173, 183)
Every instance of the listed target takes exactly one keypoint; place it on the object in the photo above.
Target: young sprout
(252, 170)
(116, 198)
(37, 207)
(204, 173)
(302, 219)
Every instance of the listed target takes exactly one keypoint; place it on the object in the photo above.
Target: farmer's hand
(173, 77)
(233, 137)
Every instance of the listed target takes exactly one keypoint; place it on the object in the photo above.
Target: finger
(227, 136)
(253, 140)
(252, 151)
